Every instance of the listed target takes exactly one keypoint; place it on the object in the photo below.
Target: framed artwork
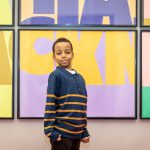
(6, 74)
(79, 13)
(145, 75)
(145, 13)
(6, 12)
(107, 63)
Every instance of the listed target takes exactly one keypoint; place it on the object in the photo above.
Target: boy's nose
(63, 55)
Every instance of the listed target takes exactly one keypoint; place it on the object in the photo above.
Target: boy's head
(62, 39)
(63, 52)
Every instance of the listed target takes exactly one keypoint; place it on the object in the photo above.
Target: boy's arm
(50, 108)
(86, 137)
(85, 132)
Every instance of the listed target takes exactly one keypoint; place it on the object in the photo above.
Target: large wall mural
(79, 12)
(107, 63)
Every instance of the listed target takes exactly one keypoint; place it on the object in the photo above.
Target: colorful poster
(106, 59)
(145, 12)
(6, 74)
(79, 12)
(6, 12)
(145, 87)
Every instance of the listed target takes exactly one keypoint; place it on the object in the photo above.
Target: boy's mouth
(64, 61)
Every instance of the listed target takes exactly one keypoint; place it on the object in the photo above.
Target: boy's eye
(58, 53)
(68, 52)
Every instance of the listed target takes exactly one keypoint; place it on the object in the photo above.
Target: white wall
(105, 135)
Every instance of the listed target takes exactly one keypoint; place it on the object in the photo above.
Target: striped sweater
(65, 109)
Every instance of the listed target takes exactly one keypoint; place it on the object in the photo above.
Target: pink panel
(146, 8)
(146, 59)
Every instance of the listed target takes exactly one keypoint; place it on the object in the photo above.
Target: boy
(65, 111)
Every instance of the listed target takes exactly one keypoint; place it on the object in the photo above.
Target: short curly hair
(62, 39)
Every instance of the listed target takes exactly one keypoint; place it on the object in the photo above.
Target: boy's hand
(59, 138)
(86, 139)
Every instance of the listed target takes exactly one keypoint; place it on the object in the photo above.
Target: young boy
(65, 118)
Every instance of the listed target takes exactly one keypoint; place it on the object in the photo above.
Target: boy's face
(63, 54)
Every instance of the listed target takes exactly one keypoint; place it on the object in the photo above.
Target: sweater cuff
(54, 136)
(85, 133)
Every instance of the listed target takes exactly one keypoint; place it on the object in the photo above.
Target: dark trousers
(66, 144)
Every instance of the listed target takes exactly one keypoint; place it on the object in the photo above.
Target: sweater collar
(66, 72)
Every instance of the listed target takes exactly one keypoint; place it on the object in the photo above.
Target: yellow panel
(30, 60)
(106, 20)
(5, 62)
(147, 21)
(120, 58)
(81, 4)
(119, 54)
(5, 101)
(85, 53)
(8, 42)
(43, 64)
(26, 13)
(5, 12)
(6, 74)
(132, 7)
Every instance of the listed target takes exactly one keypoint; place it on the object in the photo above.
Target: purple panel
(100, 56)
(43, 6)
(38, 20)
(111, 101)
(32, 94)
(68, 12)
(95, 10)
(103, 101)
(43, 46)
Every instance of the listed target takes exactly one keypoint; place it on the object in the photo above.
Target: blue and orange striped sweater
(65, 110)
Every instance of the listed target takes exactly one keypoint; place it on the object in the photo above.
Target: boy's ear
(53, 57)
